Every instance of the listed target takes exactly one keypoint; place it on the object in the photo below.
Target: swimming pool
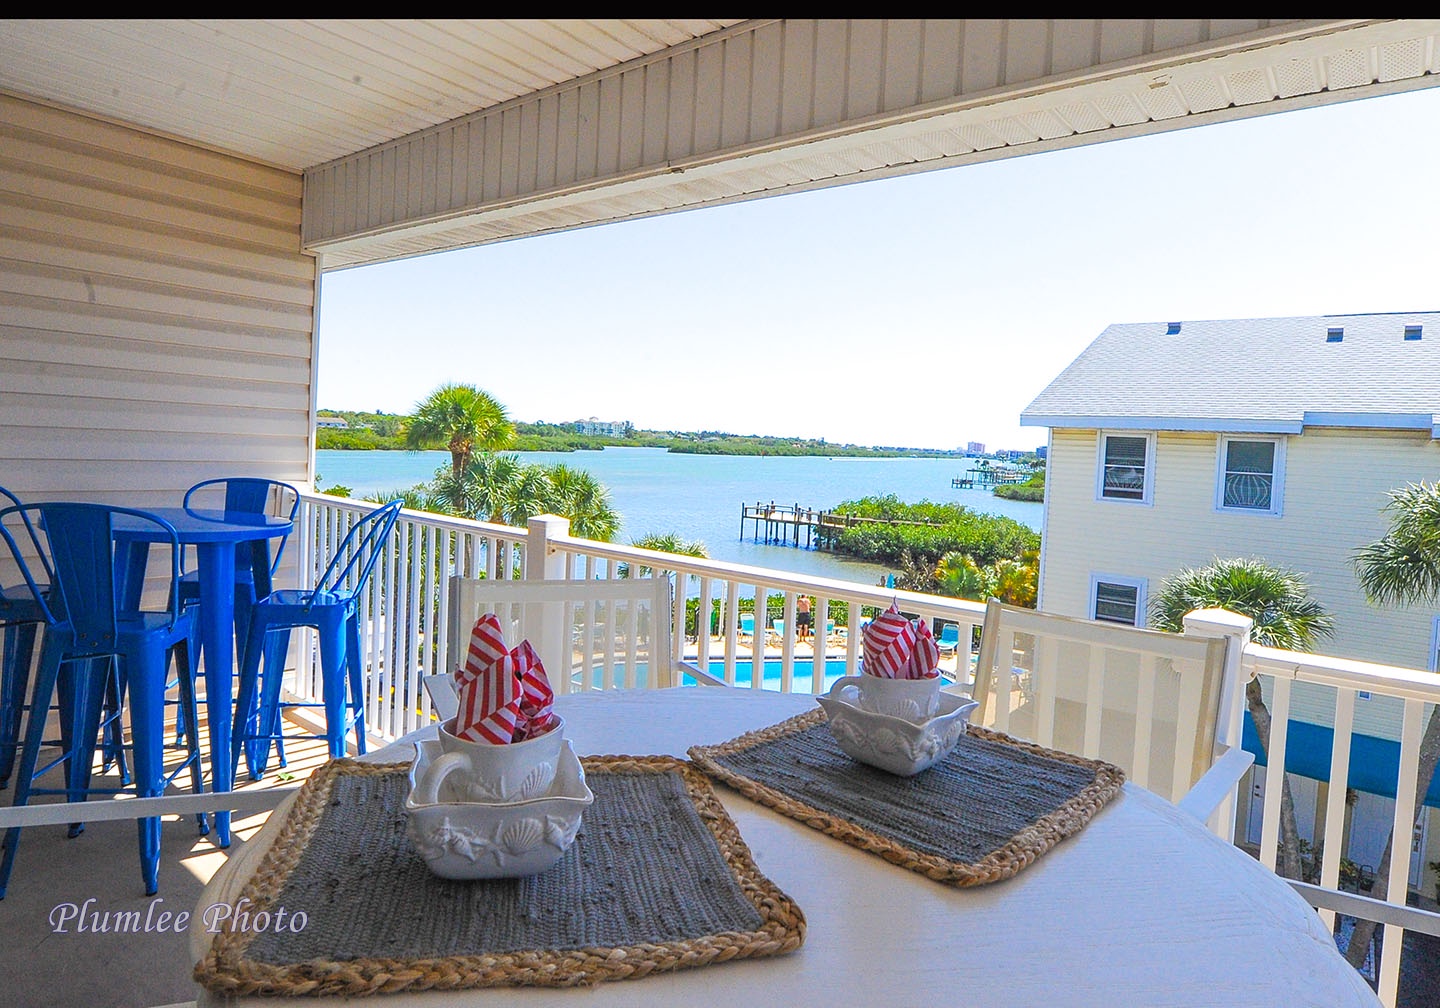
(801, 680)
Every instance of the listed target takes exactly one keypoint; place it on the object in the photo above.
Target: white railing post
(542, 563)
(1229, 728)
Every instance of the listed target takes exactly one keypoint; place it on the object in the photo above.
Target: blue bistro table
(214, 535)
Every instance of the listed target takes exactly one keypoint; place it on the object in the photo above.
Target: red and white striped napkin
(537, 700)
(504, 694)
(898, 648)
(925, 656)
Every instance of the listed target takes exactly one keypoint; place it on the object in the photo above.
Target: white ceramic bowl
(902, 747)
(466, 771)
(484, 839)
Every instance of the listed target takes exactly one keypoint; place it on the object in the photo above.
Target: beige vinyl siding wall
(1336, 484)
(158, 314)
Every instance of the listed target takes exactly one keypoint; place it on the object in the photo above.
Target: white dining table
(1143, 907)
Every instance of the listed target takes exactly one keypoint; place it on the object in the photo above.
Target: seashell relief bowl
(894, 744)
(496, 839)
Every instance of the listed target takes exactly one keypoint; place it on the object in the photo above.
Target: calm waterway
(698, 497)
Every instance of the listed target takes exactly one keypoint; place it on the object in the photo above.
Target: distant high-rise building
(610, 428)
(974, 448)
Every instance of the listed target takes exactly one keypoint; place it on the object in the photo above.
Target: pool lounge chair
(777, 629)
(747, 625)
(949, 639)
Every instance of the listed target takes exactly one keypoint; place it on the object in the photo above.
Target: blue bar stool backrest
(17, 516)
(249, 495)
(31, 545)
(81, 540)
(355, 558)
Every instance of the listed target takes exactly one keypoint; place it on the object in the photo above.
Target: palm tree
(959, 576)
(1014, 581)
(462, 419)
(415, 498)
(530, 493)
(483, 490)
(583, 499)
(1017, 580)
(664, 542)
(1402, 568)
(1285, 617)
(449, 494)
(502, 489)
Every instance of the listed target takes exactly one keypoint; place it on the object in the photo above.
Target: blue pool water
(801, 680)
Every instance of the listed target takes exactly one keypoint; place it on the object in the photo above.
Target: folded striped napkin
(504, 693)
(898, 648)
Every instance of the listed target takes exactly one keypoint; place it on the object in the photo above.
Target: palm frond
(1403, 566)
(1276, 599)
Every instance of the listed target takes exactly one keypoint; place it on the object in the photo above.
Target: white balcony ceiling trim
(420, 136)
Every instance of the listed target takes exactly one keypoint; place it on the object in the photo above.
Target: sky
(924, 311)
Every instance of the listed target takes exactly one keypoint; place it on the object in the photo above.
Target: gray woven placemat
(982, 814)
(658, 878)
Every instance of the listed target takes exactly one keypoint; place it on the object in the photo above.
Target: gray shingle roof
(1273, 375)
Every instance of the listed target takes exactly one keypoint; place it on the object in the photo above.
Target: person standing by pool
(802, 617)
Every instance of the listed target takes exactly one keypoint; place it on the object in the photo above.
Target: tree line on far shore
(387, 432)
(945, 549)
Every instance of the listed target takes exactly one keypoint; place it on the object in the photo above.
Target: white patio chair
(589, 634)
(1145, 700)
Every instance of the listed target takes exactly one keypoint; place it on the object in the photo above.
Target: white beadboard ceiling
(347, 101)
(299, 93)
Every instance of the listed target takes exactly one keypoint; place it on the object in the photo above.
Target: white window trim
(1141, 586)
(1148, 491)
(1277, 479)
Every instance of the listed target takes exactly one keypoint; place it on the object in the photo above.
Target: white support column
(1229, 728)
(544, 563)
(541, 564)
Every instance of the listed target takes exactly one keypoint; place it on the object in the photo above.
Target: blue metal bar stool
(254, 575)
(332, 609)
(249, 496)
(89, 637)
(21, 616)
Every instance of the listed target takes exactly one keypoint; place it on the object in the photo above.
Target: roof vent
(1172, 329)
(1412, 332)
(1334, 335)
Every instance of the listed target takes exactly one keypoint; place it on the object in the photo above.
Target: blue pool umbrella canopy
(1374, 762)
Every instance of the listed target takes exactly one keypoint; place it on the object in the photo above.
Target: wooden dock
(789, 524)
(785, 524)
(989, 477)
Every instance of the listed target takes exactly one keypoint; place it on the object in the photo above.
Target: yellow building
(1175, 444)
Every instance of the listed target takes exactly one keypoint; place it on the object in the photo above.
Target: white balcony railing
(406, 620)
(1344, 680)
(407, 625)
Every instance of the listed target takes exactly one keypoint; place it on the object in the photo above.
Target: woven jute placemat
(658, 879)
(984, 813)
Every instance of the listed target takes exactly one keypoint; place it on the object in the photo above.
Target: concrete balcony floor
(40, 966)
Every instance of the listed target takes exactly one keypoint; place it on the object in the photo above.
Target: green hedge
(952, 527)
(839, 611)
